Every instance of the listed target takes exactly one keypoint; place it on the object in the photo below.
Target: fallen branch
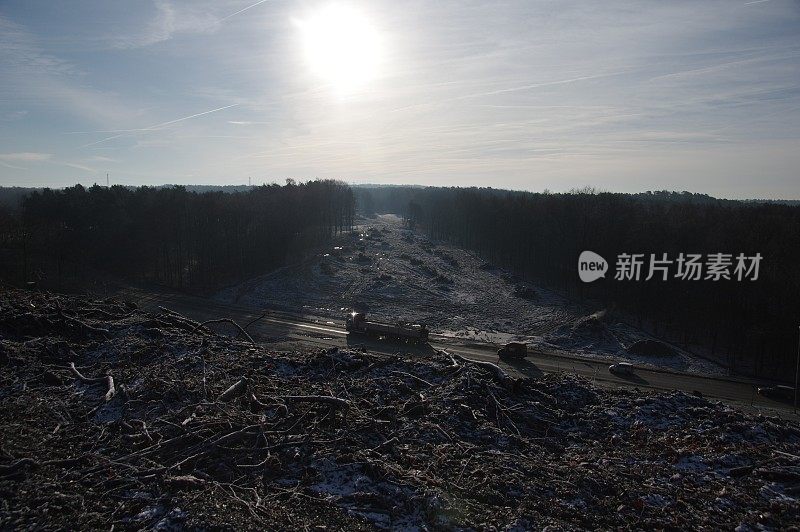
(280, 406)
(111, 389)
(335, 402)
(81, 377)
(499, 374)
(414, 377)
(108, 379)
(326, 399)
(249, 323)
(96, 330)
(453, 363)
(787, 455)
(179, 316)
(225, 320)
(108, 315)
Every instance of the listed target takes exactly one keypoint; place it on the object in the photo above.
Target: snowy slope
(393, 274)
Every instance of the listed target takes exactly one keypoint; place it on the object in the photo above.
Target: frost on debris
(351, 440)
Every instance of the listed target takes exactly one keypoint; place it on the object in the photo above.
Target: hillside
(205, 430)
(392, 273)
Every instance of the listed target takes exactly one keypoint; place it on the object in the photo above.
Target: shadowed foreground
(196, 429)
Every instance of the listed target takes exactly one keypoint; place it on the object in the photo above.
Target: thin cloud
(721, 66)
(103, 131)
(80, 167)
(543, 84)
(26, 156)
(22, 157)
(14, 115)
(245, 122)
(29, 73)
(507, 90)
(170, 20)
(6, 165)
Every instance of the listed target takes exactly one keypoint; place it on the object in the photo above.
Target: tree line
(170, 235)
(752, 325)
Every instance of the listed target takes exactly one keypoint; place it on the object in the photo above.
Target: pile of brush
(114, 417)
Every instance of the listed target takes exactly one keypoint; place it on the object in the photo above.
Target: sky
(554, 94)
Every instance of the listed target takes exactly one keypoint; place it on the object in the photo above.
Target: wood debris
(200, 430)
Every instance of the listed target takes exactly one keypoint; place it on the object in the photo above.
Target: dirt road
(286, 329)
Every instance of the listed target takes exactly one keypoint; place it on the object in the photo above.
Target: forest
(539, 236)
(170, 236)
(202, 240)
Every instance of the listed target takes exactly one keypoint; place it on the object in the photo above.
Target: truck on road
(413, 332)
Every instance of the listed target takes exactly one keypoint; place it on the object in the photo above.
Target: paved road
(287, 329)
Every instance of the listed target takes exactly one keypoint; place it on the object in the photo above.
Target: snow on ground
(392, 274)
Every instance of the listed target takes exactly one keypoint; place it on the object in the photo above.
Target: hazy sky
(626, 96)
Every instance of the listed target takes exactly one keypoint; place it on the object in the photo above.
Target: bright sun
(341, 47)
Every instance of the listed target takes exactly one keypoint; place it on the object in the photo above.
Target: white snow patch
(394, 274)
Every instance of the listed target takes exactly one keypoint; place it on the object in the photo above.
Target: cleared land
(395, 274)
(203, 430)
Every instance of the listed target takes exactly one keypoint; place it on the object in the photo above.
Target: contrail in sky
(243, 10)
(161, 125)
(542, 84)
(191, 116)
(12, 166)
(514, 89)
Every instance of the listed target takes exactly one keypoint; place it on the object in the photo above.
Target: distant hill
(213, 188)
(693, 197)
(391, 196)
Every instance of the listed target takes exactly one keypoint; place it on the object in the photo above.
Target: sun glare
(341, 47)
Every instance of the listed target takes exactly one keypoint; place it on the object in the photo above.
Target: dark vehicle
(621, 368)
(515, 350)
(778, 393)
(413, 332)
